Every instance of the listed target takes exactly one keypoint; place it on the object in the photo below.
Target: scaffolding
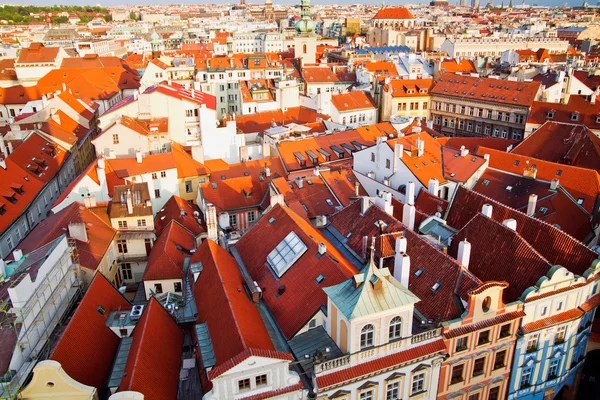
(35, 322)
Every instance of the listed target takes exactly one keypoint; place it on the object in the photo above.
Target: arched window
(395, 328)
(366, 336)
(304, 48)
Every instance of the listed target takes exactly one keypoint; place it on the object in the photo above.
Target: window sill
(454, 382)
(418, 393)
(478, 373)
(458, 350)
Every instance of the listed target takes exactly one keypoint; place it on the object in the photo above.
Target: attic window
(2, 209)
(436, 287)
(222, 177)
(309, 183)
(474, 159)
(419, 272)
(486, 182)
(101, 310)
(246, 174)
(550, 114)
(320, 279)
(271, 220)
(287, 252)
(516, 163)
(598, 119)
(559, 172)
(509, 188)
(580, 201)
(543, 210)
(329, 202)
(574, 116)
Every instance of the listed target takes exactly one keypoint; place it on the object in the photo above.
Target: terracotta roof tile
(262, 121)
(352, 101)
(409, 87)
(497, 320)
(559, 318)
(393, 13)
(169, 252)
(563, 112)
(177, 209)
(341, 181)
(38, 53)
(90, 361)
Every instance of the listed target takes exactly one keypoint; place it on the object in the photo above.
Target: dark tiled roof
(500, 319)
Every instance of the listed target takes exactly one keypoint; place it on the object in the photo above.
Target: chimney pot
(402, 268)
(464, 253)
(554, 184)
(17, 254)
(510, 223)
(487, 210)
(531, 204)
(364, 204)
(322, 248)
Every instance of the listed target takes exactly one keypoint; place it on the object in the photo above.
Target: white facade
(495, 47)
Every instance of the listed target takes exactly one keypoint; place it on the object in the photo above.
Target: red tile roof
(178, 91)
(497, 320)
(262, 121)
(37, 53)
(394, 13)
(352, 101)
(234, 322)
(559, 318)
(381, 364)
(409, 87)
(341, 181)
(562, 143)
(486, 89)
(302, 293)
(275, 393)
(458, 66)
(580, 183)
(313, 195)
(563, 112)
(87, 347)
(325, 74)
(472, 143)
(19, 94)
(154, 359)
(168, 255)
(177, 209)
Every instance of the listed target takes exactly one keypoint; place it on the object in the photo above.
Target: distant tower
(474, 3)
(229, 46)
(305, 44)
(156, 43)
(510, 4)
(269, 15)
(242, 2)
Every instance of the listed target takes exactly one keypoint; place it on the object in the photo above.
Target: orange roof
(262, 121)
(310, 199)
(169, 252)
(37, 53)
(126, 167)
(459, 66)
(154, 359)
(380, 67)
(352, 101)
(85, 107)
(181, 211)
(394, 13)
(408, 87)
(341, 181)
(325, 74)
(19, 94)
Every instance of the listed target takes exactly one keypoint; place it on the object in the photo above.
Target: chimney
(322, 248)
(402, 268)
(198, 153)
(486, 157)
(101, 171)
(277, 199)
(2, 268)
(365, 244)
(410, 193)
(77, 231)
(211, 222)
(138, 157)
(280, 290)
(463, 151)
(17, 254)
(267, 172)
(433, 187)
(384, 201)
(554, 184)
(129, 199)
(510, 223)
(487, 210)
(531, 204)
(401, 244)
(266, 149)
(464, 253)
(64, 86)
(356, 188)
(321, 220)
(3, 149)
(364, 204)
(10, 148)
(420, 147)
(300, 183)
(398, 150)
(408, 216)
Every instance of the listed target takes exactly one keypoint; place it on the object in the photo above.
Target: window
(395, 331)
(388, 163)
(504, 331)
(392, 391)
(157, 193)
(525, 378)
(474, 396)
(372, 157)
(158, 288)
(560, 335)
(141, 223)
(494, 393)
(532, 342)
(553, 369)
(244, 384)
(484, 337)
(478, 366)
(177, 287)
(282, 257)
(163, 174)
(122, 224)
(544, 310)
(122, 246)
(500, 359)
(574, 116)
(461, 344)
(154, 176)
(188, 186)
(126, 273)
(418, 383)
(368, 395)
(115, 138)
(457, 374)
(251, 216)
(366, 336)
(9, 242)
(425, 105)
(261, 380)
(233, 220)
(559, 306)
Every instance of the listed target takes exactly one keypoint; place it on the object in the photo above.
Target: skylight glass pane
(286, 253)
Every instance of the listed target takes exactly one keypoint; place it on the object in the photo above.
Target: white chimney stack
(198, 153)
(433, 187)
(356, 189)
(410, 193)
(510, 223)
(420, 147)
(276, 199)
(384, 201)
(531, 204)
(554, 184)
(402, 268)
(487, 210)
(364, 204)
(138, 157)
(408, 216)
(401, 244)
(267, 171)
(211, 222)
(17, 254)
(77, 231)
(464, 253)
(463, 151)
(398, 150)
(2, 268)
(129, 199)
(322, 248)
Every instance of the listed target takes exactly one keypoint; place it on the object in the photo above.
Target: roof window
(287, 252)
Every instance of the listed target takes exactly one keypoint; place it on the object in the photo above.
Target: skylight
(287, 252)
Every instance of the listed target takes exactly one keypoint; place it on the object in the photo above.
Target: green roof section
(371, 291)
(207, 353)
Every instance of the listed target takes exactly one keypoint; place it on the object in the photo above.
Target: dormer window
(550, 114)
(2, 209)
(366, 336)
(598, 119)
(574, 116)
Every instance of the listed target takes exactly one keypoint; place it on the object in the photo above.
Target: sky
(378, 2)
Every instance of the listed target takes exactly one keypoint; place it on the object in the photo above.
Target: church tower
(305, 43)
